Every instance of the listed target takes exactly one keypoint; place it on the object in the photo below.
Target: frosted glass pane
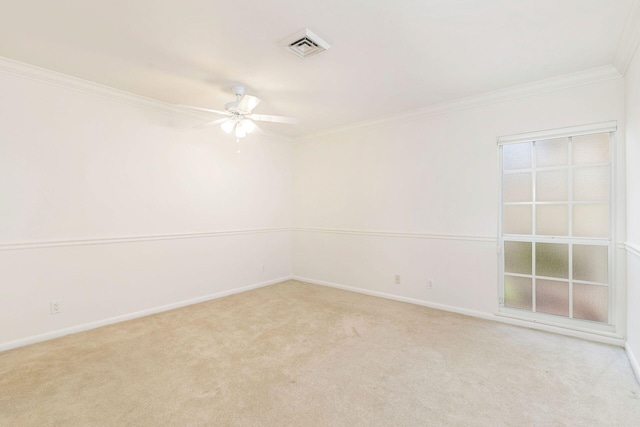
(552, 260)
(554, 152)
(552, 186)
(591, 148)
(517, 257)
(591, 220)
(517, 219)
(516, 156)
(552, 297)
(517, 187)
(591, 302)
(591, 184)
(517, 292)
(552, 220)
(590, 263)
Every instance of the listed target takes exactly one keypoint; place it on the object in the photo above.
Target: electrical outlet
(397, 279)
(56, 306)
(430, 284)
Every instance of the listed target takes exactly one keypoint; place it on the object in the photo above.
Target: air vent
(304, 43)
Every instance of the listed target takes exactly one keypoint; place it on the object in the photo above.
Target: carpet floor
(295, 354)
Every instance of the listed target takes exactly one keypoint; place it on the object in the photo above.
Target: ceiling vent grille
(304, 43)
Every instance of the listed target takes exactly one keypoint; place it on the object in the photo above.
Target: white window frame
(538, 317)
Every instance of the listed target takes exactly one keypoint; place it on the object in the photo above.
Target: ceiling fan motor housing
(238, 91)
(232, 107)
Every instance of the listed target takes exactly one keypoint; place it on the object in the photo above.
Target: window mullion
(533, 226)
(574, 266)
(570, 209)
(612, 223)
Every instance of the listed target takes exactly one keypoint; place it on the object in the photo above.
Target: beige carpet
(294, 354)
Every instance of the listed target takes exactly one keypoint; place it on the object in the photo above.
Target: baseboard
(634, 362)
(429, 304)
(605, 339)
(453, 309)
(99, 323)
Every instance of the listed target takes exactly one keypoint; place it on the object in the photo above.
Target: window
(556, 227)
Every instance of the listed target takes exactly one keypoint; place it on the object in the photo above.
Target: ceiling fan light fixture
(248, 125)
(240, 131)
(228, 125)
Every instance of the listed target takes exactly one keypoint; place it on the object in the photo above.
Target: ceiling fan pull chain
(238, 145)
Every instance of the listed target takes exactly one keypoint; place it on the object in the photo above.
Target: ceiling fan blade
(248, 103)
(215, 122)
(275, 119)
(208, 110)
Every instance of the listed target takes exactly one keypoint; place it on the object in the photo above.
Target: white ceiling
(387, 56)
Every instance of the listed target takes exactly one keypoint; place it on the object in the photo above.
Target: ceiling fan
(239, 117)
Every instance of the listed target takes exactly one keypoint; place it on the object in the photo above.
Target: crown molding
(53, 78)
(590, 76)
(629, 40)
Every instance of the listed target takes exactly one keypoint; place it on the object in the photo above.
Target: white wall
(632, 96)
(122, 210)
(80, 169)
(419, 197)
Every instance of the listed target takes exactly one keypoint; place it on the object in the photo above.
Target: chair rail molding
(131, 239)
(402, 234)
